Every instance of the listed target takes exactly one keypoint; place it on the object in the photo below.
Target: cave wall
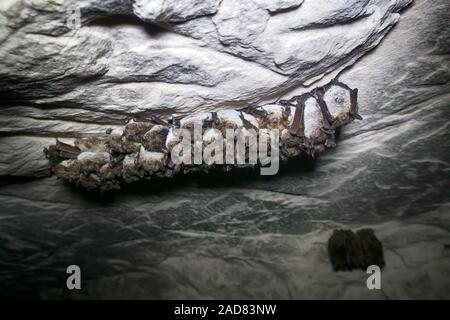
(58, 77)
(244, 237)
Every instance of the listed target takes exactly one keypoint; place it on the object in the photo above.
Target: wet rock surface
(239, 236)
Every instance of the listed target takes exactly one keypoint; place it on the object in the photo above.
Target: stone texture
(173, 10)
(199, 242)
(243, 237)
(170, 56)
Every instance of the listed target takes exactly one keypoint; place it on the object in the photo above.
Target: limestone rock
(60, 70)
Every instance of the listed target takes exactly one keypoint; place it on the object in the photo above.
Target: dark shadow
(113, 21)
(215, 178)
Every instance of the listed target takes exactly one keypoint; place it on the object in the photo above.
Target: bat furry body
(143, 147)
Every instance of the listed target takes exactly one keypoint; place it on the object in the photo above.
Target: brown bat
(144, 147)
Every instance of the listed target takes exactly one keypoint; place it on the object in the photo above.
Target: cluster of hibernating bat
(142, 148)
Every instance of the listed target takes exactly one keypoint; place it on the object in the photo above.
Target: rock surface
(167, 57)
(238, 238)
